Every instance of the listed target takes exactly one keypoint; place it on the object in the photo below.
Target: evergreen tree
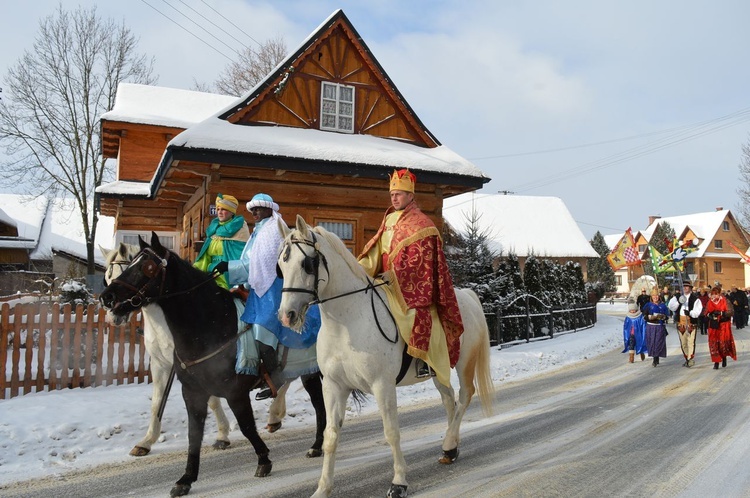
(601, 275)
(662, 237)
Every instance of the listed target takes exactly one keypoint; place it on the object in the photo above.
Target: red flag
(745, 257)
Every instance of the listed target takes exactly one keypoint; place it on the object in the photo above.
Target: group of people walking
(645, 331)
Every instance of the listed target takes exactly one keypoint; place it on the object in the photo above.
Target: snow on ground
(53, 433)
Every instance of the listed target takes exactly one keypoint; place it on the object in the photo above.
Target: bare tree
(744, 189)
(251, 67)
(54, 96)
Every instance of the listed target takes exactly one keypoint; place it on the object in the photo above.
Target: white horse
(160, 347)
(359, 348)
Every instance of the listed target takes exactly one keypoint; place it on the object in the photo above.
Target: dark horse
(203, 320)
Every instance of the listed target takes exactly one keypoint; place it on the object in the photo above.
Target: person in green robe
(225, 238)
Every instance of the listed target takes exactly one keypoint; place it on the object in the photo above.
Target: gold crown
(403, 179)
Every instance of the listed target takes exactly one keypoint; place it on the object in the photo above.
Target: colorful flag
(658, 262)
(624, 253)
(745, 257)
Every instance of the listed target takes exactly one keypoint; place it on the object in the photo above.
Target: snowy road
(601, 427)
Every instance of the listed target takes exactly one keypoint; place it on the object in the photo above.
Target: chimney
(719, 208)
(652, 219)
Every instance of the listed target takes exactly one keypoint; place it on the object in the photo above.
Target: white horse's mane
(337, 245)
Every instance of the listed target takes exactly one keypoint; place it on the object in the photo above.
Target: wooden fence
(45, 347)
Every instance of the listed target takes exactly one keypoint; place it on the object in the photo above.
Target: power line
(603, 142)
(716, 125)
(201, 27)
(187, 30)
(215, 25)
(233, 24)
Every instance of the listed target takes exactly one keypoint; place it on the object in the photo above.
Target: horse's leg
(465, 369)
(314, 388)
(277, 410)
(448, 397)
(335, 397)
(243, 412)
(385, 395)
(222, 438)
(160, 372)
(196, 403)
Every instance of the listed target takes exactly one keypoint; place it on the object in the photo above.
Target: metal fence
(507, 328)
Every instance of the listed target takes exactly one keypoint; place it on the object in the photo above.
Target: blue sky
(523, 89)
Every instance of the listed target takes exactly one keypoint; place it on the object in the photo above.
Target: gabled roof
(231, 136)
(704, 225)
(51, 225)
(525, 225)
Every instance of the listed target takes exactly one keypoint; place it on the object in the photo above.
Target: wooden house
(320, 135)
(714, 261)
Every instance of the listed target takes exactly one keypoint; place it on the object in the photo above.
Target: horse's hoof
(180, 490)
(263, 469)
(273, 427)
(139, 451)
(449, 456)
(314, 453)
(221, 445)
(397, 491)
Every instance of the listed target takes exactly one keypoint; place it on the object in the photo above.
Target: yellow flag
(624, 253)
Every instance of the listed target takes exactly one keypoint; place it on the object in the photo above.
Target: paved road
(602, 427)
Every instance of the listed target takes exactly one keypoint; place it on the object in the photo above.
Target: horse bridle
(154, 266)
(311, 265)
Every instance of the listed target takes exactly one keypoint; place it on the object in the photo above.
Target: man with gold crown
(408, 251)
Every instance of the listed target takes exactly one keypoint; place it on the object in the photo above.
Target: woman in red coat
(719, 313)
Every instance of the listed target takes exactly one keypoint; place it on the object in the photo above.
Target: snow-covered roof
(7, 220)
(161, 106)
(45, 225)
(525, 225)
(704, 225)
(612, 240)
(298, 143)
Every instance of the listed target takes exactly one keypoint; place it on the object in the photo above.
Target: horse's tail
(482, 376)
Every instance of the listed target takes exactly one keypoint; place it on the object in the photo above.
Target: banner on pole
(624, 253)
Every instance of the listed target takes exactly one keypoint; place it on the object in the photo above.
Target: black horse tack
(203, 322)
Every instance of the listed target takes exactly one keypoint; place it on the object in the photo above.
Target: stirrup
(423, 369)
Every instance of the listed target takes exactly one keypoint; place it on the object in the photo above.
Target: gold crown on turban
(403, 179)
(227, 202)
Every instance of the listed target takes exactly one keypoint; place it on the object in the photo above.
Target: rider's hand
(222, 267)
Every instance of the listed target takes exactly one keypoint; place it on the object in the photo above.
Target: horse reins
(311, 264)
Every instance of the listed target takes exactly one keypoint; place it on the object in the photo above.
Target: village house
(714, 261)
(320, 134)
(41, 239)
(523, 225)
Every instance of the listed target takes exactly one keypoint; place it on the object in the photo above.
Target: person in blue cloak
(255, 268)
(634, 332)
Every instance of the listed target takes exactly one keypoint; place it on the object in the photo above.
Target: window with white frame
(337, 107)
(167, 239)
(717, 266)
(718, 244)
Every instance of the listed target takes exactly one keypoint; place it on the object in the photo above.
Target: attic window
(337, 107)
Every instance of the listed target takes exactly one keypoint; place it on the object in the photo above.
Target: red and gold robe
(415, 258)
(720, 338)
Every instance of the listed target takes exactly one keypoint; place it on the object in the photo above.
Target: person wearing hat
(408, 251)
(225, 237)
(255, 268)
(643, 298)
(719, 311)
(634, 332)
(687, 309)
(655, 314)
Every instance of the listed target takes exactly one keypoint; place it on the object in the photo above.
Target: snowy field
(49, 434)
